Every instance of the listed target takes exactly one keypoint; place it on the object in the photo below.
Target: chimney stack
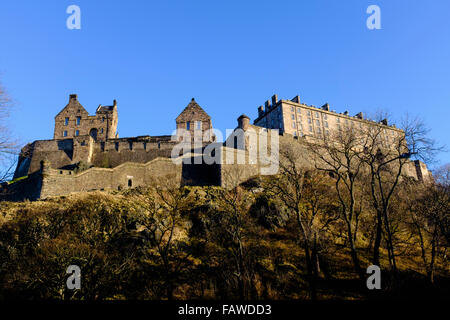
(359, 115)
(274, 99)
(72, 97)
(296, 99)
(267, 105)
(326, 107)
(260, 111)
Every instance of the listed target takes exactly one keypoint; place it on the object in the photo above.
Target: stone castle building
(86, 153)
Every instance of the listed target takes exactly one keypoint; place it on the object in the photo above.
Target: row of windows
(78, 121)
(77, 132)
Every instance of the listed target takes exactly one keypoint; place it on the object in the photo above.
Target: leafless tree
(8, 147)
(306, 196)
(387, 152)
(339, 154)
(429, 218)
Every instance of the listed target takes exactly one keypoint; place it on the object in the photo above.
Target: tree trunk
(377, 243)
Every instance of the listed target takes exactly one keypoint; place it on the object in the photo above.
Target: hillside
(206, 243)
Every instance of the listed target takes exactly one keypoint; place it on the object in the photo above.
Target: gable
(193, 112)
(72, 108)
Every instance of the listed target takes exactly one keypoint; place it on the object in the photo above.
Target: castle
(87, 154)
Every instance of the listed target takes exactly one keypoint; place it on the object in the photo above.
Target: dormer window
(78, 121)
(66, 121)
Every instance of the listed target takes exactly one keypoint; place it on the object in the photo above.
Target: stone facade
(196, 121)
(299, 119)
(74, 121)
(90, 156)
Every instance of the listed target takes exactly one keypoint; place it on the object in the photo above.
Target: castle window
(299, 111)
(338, 120)
(293, 125)
(188, 125)
(78, 121)
(103, 119)
(295, 133)
(101, 130)
(145, 145)
(310, 129)
(325, 124)
(198, 125)
(66, 121)
(77, 133)
(65, 133)
(117, 146)
(316, 114)
(292, 116)
(309, 120)
(130, 144)
(102, 146)
(318, 122)
(130, 183)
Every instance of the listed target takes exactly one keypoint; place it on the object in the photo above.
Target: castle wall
(60, 182)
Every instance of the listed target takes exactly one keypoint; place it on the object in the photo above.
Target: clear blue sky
(154, 56)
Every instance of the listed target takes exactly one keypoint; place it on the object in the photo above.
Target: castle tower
(73, 121)
(196, 121)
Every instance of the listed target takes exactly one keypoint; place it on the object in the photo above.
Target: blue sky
(154, 56)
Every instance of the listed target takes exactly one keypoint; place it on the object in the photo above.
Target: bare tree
(387, 152)
(306, 195)
(339, 154)
(164, 204)
(8, 146)
(430, 221)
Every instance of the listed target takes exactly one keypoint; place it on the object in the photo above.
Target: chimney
(296, 99)
(260, 111)
(384, 121)
(267, 105)
(72, 97)
(115, 103)
(243, 122)
(346, 113)
(359, 115)
(274, 99)
(325, 107)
